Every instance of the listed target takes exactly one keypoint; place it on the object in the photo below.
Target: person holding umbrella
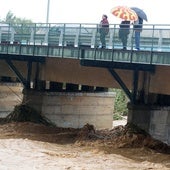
(103, 29)
(124, 32)
(137, 26)
(127, 15)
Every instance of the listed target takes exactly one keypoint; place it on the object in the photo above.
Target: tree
(12, 19)
(9, 17)
(20, 25)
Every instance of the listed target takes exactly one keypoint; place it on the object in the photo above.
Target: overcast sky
(82, 11)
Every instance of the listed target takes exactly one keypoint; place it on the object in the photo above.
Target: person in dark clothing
(124, 32)
(137, 26)
(103, 30)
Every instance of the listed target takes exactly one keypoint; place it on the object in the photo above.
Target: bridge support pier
(139, 115)
(153, 119)
(73, 109)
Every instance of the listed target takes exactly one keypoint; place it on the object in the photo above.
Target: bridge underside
(137, 80)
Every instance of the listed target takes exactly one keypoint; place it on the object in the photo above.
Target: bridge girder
(23, 58)
(111, 65)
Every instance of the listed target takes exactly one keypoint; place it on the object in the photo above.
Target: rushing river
(34, 147)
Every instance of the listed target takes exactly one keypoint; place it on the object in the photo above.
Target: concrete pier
(153, 119)
(74, 109)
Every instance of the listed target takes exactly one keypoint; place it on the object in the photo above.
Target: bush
(120, 104)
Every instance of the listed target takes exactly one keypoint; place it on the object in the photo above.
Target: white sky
(82, 11)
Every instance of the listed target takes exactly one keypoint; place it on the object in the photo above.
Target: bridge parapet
(153, 37)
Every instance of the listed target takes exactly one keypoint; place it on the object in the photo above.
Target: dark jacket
(138, 25)
(125, 24)
(124, 28)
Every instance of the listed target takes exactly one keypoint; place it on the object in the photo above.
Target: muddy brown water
(33, 146)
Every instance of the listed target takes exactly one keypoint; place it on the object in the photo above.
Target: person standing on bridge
(124, 32)
(103, 30)
(137, 26)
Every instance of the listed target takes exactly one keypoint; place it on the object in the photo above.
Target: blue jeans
(137, 39)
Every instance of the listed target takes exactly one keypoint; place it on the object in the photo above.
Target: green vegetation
(17, 22)
(120, 106)
(12, 19)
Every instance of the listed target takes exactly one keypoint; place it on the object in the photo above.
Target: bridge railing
(153, 37)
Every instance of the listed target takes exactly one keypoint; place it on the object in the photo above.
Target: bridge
(38, 54)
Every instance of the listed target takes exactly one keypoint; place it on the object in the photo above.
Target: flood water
(31, 146)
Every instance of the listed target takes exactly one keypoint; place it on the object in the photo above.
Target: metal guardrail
(153, 37)
(68, 40)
